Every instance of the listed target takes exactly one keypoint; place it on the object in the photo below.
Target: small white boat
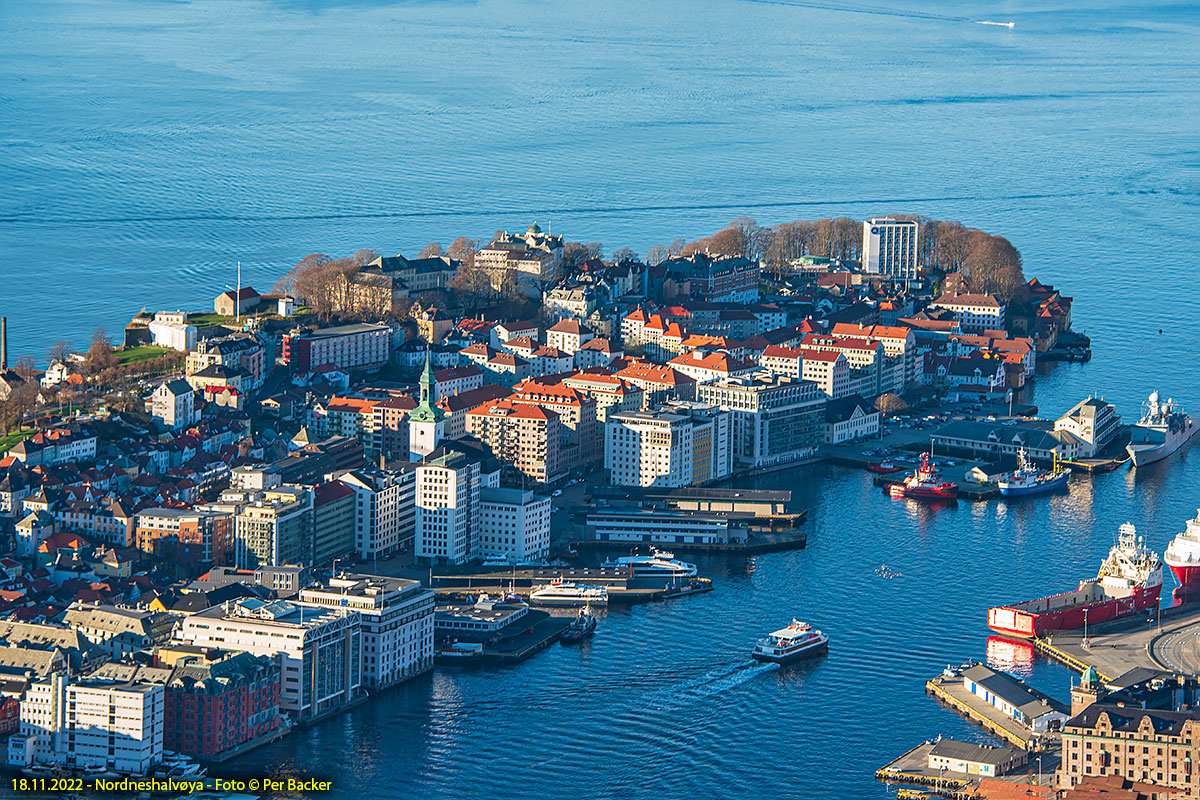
(562, 593)
(796, 641)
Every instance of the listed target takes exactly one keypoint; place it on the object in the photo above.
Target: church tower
(426, 425)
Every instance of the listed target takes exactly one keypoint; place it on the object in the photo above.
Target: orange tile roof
(512, 409)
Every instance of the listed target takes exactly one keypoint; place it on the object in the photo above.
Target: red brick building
(210, 708)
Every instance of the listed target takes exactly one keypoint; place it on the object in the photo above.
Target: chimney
(3, 343)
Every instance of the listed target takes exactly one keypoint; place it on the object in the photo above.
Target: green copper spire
(426, 411)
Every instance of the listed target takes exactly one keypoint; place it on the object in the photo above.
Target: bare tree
(657, 254)
(59, 351)
(624, 254)
(463, 249)
(100, 355)
(364, 256)
(431, 250)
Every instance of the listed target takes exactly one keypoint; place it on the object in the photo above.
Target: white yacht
(792, 643)
(656, 565)
(561, 593)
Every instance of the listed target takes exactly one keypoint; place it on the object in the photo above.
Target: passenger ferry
(657, 565)
(560, 593)
(796, 641)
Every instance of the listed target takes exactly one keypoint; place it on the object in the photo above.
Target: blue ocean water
(147, 146)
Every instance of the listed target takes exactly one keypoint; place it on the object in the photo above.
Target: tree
(657, 254)
(431, 250)
(993, 266)
(890, 403)
(364, 256)
(59, 351)
(463, 249)
(677, 247)
(100, 356)
(623, 254)
(576, 253)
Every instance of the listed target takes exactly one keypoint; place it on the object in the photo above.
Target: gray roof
(39, 662)
(1015, 435)
(967, 751)
(1029, 701)
(110, 618)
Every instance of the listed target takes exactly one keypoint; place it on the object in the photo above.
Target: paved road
(1179, 650)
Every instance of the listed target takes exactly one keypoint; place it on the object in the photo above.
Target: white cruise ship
(1162, 430)
(560, 593)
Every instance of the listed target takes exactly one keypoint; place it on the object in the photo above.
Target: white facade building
(682, 444)
(173, 404)
(116, 726)
(319, 649)
(513, 524)
(384, 515)
(171, 329)
(889, 247)
(397, 623)
(447, 500)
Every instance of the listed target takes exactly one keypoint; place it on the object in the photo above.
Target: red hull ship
(1129, 581)
(926, 483)
(883, 467)
(1183, 557)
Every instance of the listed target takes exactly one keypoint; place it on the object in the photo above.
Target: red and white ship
(1129, 581)
(1183, 556)
(925, 482)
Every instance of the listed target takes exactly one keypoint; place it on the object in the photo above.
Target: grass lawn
(200, 320)
(11, 440)
(144, 353)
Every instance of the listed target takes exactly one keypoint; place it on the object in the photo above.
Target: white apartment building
(397, 623)
(115, 726)
(890, 248)
(319, 650)
(513, 524)
(447, 500)
(974, 312)
(275, 528)
(173, 404)
(679, 445)
(776, 419)
(828, 369)
(384, 515)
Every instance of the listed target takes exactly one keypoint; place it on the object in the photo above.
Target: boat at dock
(563, 593)
(1129, 581)
(1163, 429)
(885, 467)
(796, 641)
(582, 627)
(1028, 479)
(658, 564)
(1183, 556)
(453, 652)
(924, 483)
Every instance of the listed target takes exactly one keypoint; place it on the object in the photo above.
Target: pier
(951, 692)
(912, 769)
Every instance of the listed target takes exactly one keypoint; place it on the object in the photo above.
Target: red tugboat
(1129, 581)
(926, 482)
(885, 467)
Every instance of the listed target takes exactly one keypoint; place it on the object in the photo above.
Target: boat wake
(1009, 25)
(711, 683)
